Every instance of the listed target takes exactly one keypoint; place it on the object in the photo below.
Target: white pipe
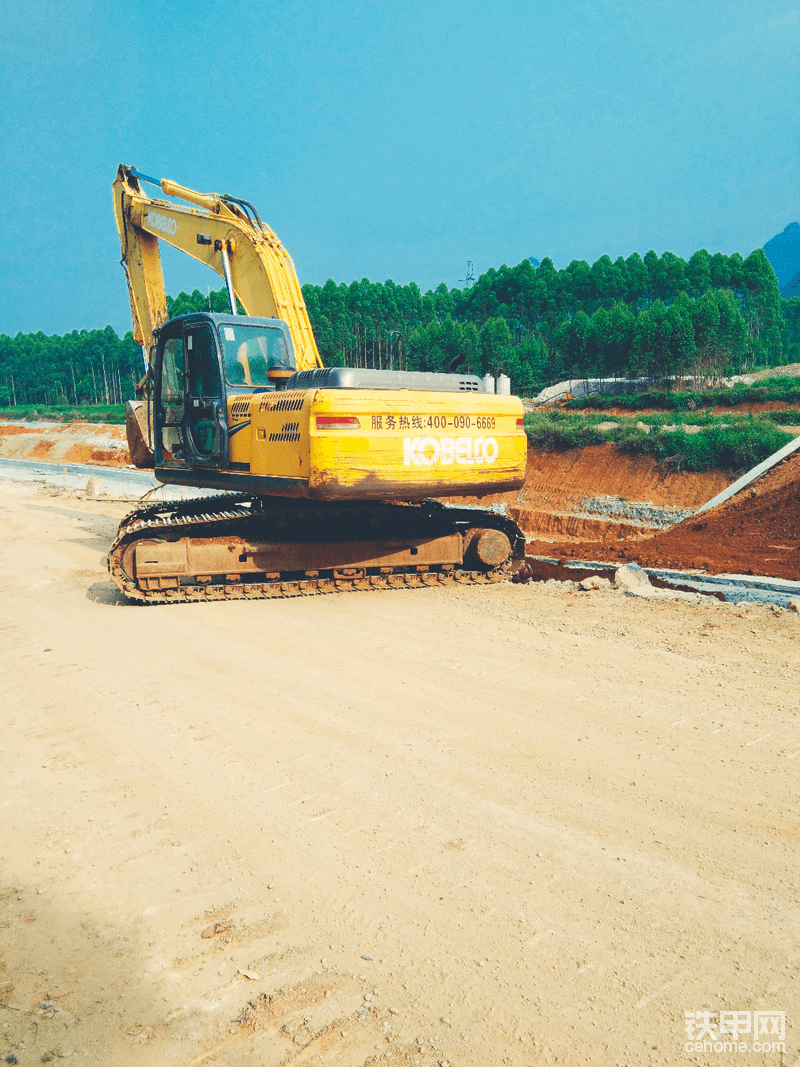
(751, 475)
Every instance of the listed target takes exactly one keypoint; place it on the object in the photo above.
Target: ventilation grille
(240, 407)
(290, 432)
(466, 385)
(284, 402)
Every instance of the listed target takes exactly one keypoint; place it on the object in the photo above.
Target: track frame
(240, 514)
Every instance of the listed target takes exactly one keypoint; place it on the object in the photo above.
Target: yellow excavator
(331, 477)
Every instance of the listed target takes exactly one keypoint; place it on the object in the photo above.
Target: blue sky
(392, 140)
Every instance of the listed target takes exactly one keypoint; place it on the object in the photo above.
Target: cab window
(250, 351)
(171, 407)
(202, 363)
(172, 371)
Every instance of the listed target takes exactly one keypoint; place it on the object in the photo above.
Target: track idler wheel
(488, 548)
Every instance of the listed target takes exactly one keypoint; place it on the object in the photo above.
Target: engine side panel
(415, 444)
(347, 444)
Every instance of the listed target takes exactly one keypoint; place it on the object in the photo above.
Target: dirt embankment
(74, 442)
(756, 532)
(559, 481)
(561, 488)
(790, 370)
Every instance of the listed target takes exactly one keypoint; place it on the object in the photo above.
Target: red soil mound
(756, 532)
(11, 431)
(557, 482)
(75, 442)
(560, 480)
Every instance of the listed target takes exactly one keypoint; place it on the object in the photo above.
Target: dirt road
(510, 824)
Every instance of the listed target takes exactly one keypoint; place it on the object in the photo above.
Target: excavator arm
(224, 233)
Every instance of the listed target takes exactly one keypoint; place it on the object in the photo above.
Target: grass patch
(558, 431)
(730, 443)
(111, 413)
(728, 448)
(784, 388)
(789, 417)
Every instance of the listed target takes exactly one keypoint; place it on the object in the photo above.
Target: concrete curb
(733, 588)
(752, 475)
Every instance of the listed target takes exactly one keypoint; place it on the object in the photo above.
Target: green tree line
(82, 367)
(650, 316)
(654, 316)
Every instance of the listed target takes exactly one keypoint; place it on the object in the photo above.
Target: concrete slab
(752, 475)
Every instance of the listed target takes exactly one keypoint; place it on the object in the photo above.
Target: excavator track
(167, 553)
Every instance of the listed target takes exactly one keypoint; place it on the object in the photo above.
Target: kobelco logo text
(426, 451)
(162, 222)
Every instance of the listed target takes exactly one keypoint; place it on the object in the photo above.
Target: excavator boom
(223, 232)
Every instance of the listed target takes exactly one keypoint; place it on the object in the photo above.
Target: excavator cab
(200, 360)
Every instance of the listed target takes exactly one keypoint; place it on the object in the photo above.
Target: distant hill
(783, 252)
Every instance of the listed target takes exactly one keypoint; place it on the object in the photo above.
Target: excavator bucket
(139, 434)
